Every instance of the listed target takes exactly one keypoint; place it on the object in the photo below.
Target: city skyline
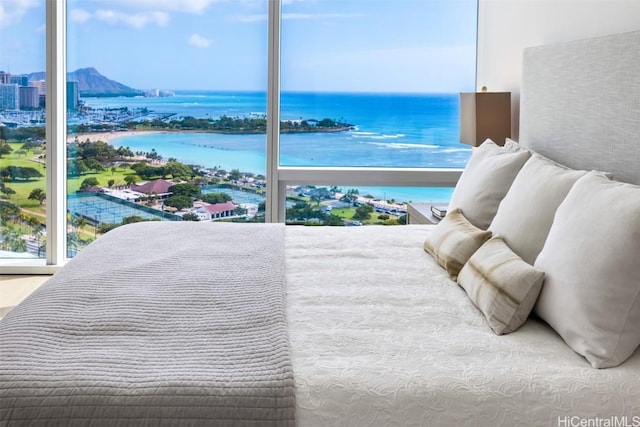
(327, 45)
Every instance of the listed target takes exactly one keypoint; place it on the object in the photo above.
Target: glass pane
(355, 206)
(22, 130)
(375, 83)
(166, 105)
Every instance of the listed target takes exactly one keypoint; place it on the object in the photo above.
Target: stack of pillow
(524, 234)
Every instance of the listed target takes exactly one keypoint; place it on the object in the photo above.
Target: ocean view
(390, 130)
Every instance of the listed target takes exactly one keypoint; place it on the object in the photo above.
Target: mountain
(92, 83)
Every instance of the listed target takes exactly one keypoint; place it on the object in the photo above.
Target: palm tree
(12, 241)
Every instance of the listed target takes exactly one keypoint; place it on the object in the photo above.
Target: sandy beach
(109, 136)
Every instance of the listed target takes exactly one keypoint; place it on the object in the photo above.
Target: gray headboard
(580, 104)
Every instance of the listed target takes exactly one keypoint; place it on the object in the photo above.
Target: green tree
(303, 211)
(11, 239)
(8, 212)
(363, 212)
(235, 174)
(132, 219)
(214, 198)
(131, 179)
(31, 145)
(350, 196)
(77, 223)
(5, 149)
(14, 173)
(89, 182)
(99, 151)
(189, 190)
(38, 194)
(178, 170)
(124, 152)
(333, 220)
(6, 191)
(76, 167)
(179, 202)
(153, 155)
(190, 216)
(94, 165)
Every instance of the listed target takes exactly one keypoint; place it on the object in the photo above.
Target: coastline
(379, 193)
(108, 137)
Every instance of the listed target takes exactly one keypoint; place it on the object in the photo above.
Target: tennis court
(100, 208)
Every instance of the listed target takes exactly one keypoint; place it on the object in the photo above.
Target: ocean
(390, 130)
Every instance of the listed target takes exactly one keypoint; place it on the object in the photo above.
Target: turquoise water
(399, 130)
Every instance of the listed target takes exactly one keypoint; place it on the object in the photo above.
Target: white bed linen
(381, 336)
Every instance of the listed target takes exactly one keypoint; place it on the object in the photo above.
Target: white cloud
(297, 16)
(79, 15)
(291, 16)
(186, 6)
(199, 41)
(12, 11)
(136, 20)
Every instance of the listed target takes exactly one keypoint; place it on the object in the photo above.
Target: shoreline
(108, 137)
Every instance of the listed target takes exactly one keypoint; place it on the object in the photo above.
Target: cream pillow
(484, 182)
(453, 241)
(525, 214)
(501, 285)
(513, 146)
(591, 259)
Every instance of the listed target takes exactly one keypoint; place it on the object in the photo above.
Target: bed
(365, 326)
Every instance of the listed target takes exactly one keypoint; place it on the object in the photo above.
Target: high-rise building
(73, 96)
(9, 97)
(29, 98)
(4, 78)
(21, 80)
(41, 85)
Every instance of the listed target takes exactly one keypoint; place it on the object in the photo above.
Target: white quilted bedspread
(381, 337)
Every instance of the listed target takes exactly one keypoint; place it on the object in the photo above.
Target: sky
(417, 46)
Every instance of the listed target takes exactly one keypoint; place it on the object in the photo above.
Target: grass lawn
(24, 188)
(347, 214)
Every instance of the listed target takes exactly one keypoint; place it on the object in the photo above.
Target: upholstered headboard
(580, 104)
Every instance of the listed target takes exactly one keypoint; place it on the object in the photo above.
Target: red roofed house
(216, 211)
(221, 210)
(159, 187)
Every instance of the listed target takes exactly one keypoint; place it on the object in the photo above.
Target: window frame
(278, 177)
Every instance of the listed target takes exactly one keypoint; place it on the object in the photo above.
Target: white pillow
(452, 242)
(484, 182)
(501, 285)
(513, 146)
(591, 259)
(525, 214)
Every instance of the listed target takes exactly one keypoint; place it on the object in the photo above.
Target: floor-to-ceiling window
(166, 113)
(372, 84)
(236, 111)
(22, 130)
